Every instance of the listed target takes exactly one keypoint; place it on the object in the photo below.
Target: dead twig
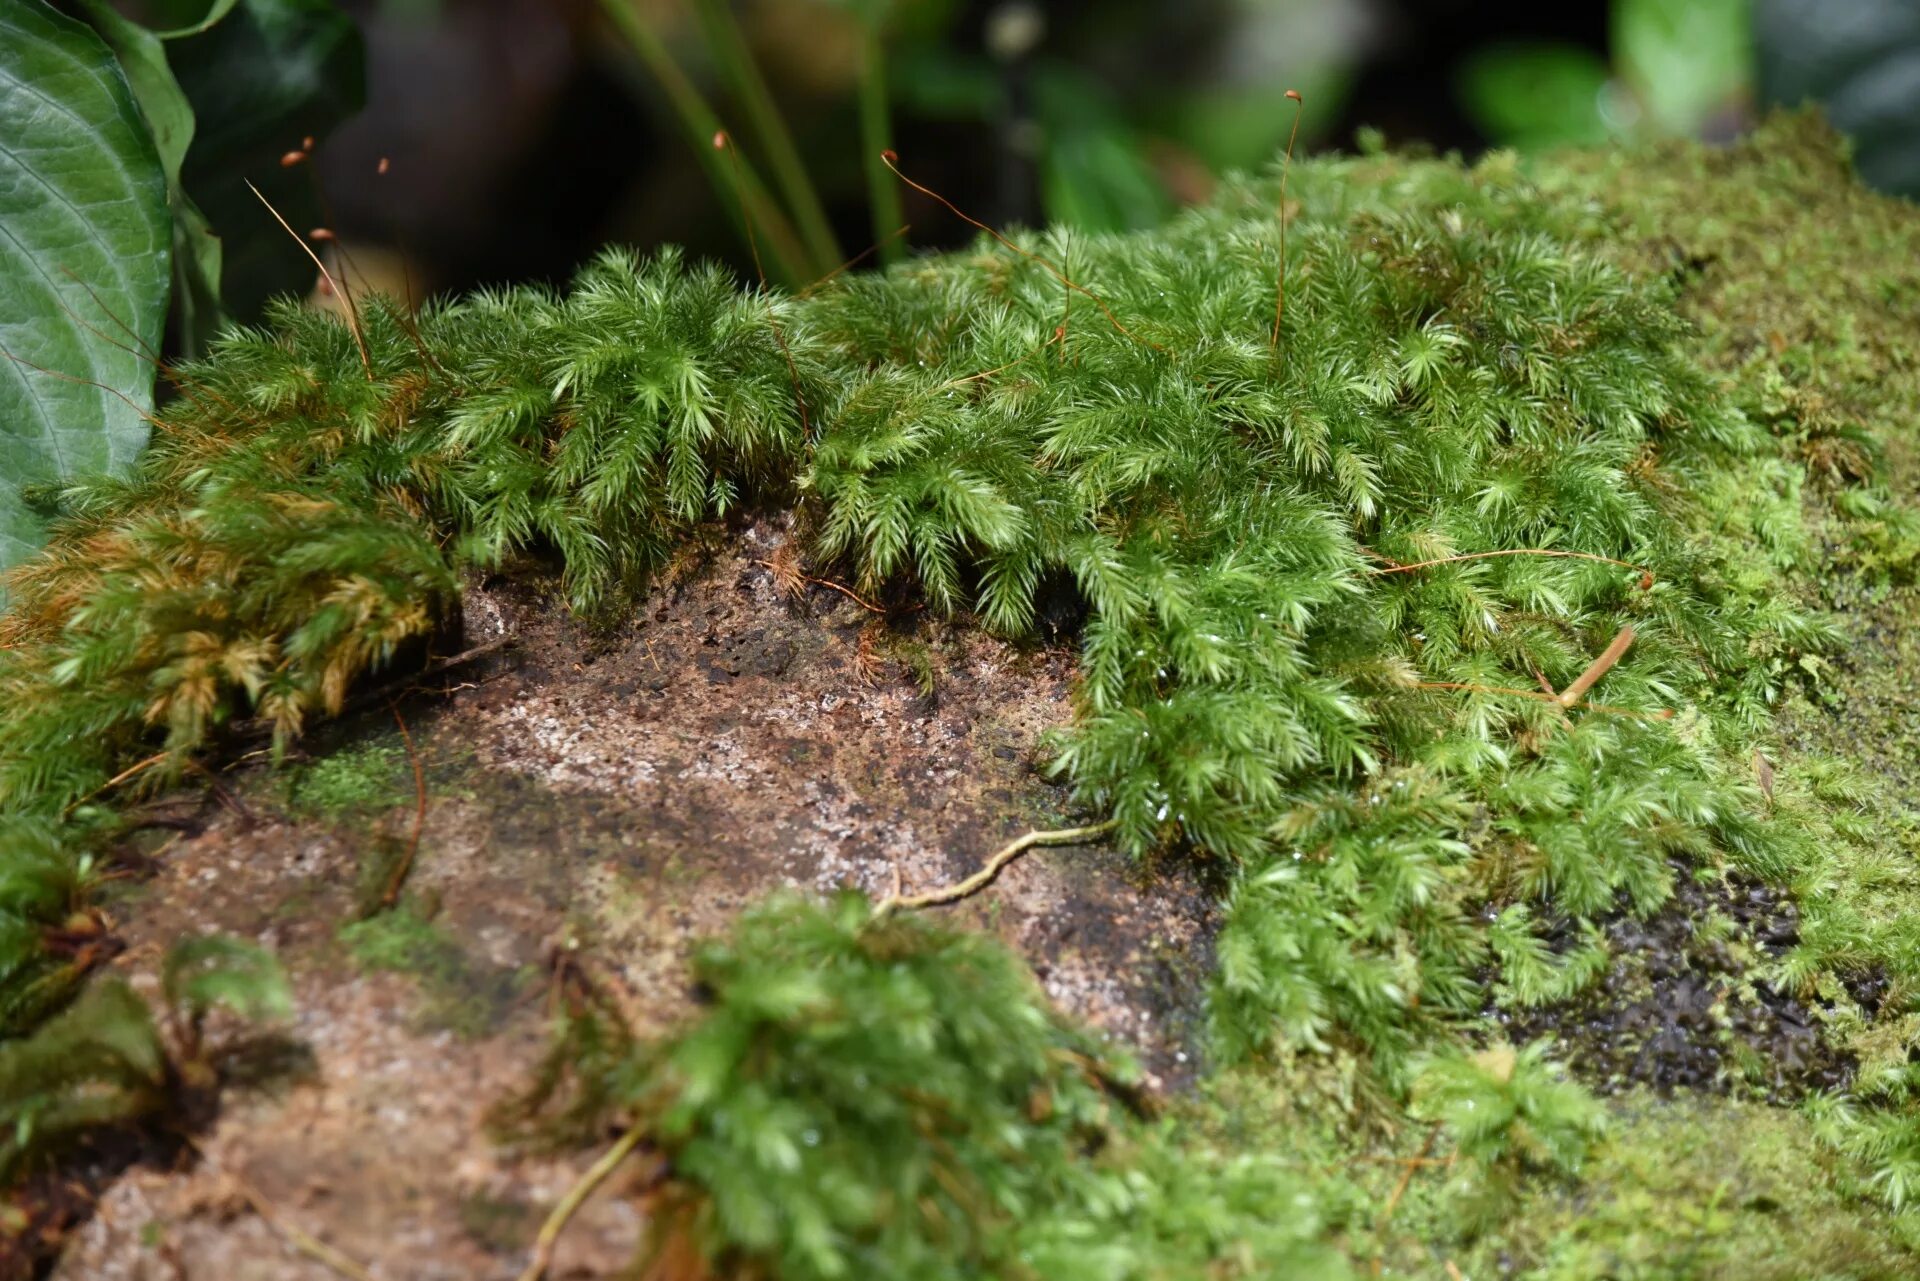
(1393, 567)
(1406, 1175)
(984, 877)
(781, 571)
(891, 160)
(1280, 289)
(854, 261)
(1573, 694)
(986, 373)
(125, 774)
(353, 312)
(234, 804)
(398, 878)
(1665, 714)
(576, 1196)
(1598, 668)
(302, 1242)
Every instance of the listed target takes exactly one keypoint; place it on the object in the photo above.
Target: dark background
(522, 135)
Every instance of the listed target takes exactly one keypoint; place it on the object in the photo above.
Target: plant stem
(729, 49)
(305, 1243)
(876, 136)
(701, 124)
(993, 867)
(1406, 1176)
(1515, 551)
(576, 1197)
(1599, 667)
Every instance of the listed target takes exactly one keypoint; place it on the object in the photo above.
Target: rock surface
(620, 798)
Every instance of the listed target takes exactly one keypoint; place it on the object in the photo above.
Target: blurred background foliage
(507, 140)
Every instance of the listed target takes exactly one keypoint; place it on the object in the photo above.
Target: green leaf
(279, 71)
(1243, 125)
(84, 262)
(1094, 175)
(196, 250)
(938, 81)
(197, 261)
(215, 11)
(1684, 62)
(168, 116)
(1535, 95)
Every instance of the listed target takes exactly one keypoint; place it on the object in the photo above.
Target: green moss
(1687, 1189)
(872, 1095)
(1800, 281)
(1797, 274)
(459, 993)
(1704, 1189)
(501, 1225)
(359, 781)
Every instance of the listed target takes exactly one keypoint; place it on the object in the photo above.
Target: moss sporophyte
(1444, 605)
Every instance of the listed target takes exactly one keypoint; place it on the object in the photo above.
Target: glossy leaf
(84, 262)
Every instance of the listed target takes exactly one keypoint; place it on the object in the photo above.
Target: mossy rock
(798, 583)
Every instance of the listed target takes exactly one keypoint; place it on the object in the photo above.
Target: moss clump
(50, 937)
(106, 1061)
(362, 780)
(1282, 543)
(1684, 1189)
(870, 1095)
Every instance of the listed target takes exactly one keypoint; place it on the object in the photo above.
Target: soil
(619, 797)
(1679, 1009)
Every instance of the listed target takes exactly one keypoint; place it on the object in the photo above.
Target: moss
(1800, 281)
(360, 781)
(1797, 275)
(1687, 1189)
(868, 1094)
(1705, 1189)
(459, 993)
